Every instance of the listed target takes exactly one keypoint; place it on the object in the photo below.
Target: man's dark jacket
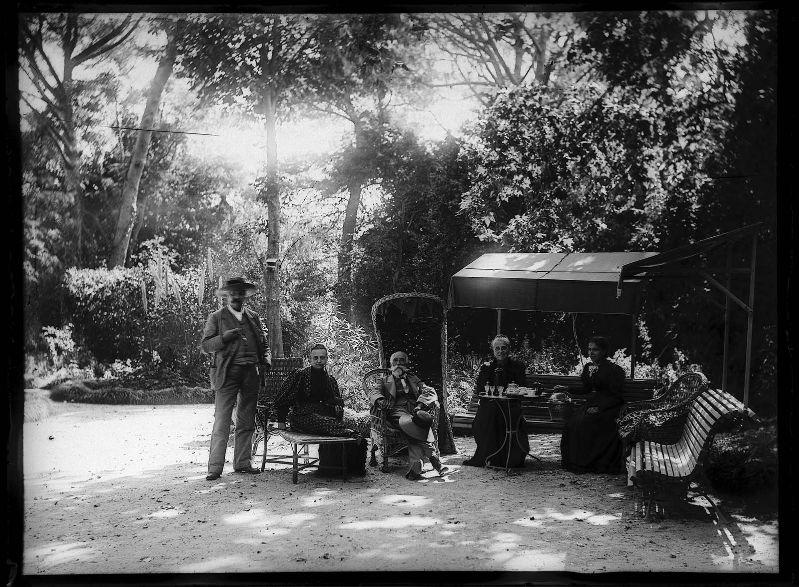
(217, 323)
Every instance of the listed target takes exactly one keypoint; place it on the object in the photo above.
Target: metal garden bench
(663, 467)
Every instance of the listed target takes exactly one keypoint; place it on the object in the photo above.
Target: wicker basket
(560, 410)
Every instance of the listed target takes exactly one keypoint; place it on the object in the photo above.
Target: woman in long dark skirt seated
(590, 440)
(311, 401)
(488, 426)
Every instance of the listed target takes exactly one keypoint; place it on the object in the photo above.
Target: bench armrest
(664, 426)
(630, 408)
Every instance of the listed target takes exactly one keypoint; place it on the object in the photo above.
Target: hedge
(79, 391)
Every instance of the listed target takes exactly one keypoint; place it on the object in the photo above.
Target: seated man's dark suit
(400, 396)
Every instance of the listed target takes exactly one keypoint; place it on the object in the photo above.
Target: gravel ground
(121, 489)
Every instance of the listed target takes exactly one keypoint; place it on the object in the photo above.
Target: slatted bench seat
(537, 411)
(299, 450)
(659, 469)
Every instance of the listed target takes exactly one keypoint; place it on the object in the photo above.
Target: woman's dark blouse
(512, 372)
(605, 385)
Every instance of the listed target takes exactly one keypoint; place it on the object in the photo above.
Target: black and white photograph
(473, 294)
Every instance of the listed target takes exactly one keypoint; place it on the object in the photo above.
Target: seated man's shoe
(436, 462)
(213, 476)
(251, 470)
(443, 471)
(413, 476)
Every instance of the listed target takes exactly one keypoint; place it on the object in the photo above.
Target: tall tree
(488, 52)
(138, 157)
(362, 63)
(415, 239)
(75, 40)
(257, 63)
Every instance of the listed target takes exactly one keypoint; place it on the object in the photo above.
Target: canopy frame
(662, 265)
(667, 264)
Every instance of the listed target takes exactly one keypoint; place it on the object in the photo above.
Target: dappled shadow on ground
(539, 518)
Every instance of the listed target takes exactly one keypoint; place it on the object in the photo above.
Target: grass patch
(38, 405)
(111, 392)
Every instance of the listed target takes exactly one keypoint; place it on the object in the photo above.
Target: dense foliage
(147, 314)
(745, 460)
(416, 239)
(591, 132)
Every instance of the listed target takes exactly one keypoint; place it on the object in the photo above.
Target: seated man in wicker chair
(405, 398)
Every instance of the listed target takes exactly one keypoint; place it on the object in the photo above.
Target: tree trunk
(140, 211)
(271, 195)
(71, 159)
(543, 68)
(130, 192)
(355, 187)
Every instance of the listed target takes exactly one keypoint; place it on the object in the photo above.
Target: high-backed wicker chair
(417, 324)
(667, 409)
(273, 379)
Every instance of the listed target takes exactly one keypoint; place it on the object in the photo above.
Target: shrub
(144, 321)
(106, 309)
(77, 391)
(61, 347)
(461, 374)
(744, 460)
(353, 352)
(37, 405)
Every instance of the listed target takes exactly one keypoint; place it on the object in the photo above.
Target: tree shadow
(169, 519)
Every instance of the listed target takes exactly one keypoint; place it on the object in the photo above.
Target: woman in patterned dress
(310, 400)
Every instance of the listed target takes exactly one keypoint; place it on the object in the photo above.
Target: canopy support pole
(725, 365)
(499, 320)
(725, 290)
(750, 321)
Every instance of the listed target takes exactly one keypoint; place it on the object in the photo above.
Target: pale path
(121, 489)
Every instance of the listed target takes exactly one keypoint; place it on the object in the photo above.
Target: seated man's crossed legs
(418, 448)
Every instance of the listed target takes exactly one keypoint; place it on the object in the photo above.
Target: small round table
(504, 403)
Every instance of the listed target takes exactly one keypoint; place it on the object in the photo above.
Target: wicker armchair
(385, 437)
(416, 323)
(264, 411)
(661, 419)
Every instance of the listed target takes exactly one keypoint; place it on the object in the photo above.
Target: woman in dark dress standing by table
(590, 440)
(488, 426)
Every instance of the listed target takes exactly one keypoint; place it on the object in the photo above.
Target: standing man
(406, 400)
(236, 338)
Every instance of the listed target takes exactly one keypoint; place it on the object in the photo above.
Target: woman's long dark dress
(488, 426)
(591, 442)
(312, 401)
